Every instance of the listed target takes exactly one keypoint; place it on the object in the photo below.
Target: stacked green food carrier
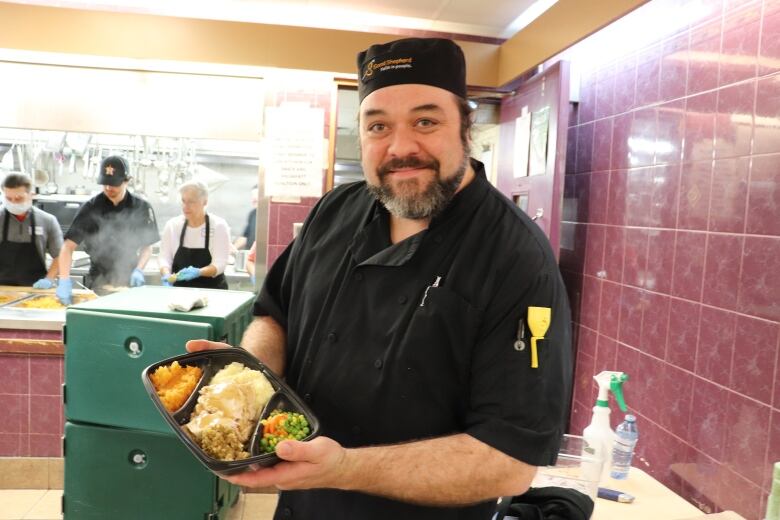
(122, 460)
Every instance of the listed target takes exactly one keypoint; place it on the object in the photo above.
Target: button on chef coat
(444, 362)
(113, 235)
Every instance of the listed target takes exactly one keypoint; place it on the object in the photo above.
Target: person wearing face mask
(28, 234)
(195, 245)
(117, 230)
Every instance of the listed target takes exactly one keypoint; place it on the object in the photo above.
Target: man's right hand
(65, 291)
(196, 345)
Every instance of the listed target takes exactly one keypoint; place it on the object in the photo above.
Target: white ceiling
(488, 18)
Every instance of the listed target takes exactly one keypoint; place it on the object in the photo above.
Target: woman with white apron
(194, 246)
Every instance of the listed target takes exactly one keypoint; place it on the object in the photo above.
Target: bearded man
(399, 314)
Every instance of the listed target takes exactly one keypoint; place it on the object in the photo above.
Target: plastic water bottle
(623, 451)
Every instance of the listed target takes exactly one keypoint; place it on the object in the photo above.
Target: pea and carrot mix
(281, 426)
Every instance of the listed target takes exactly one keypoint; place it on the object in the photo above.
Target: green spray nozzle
(611, 381)
(616, 385)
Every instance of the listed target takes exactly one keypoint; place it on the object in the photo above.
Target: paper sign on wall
(293, 151)
(522, 140)
(540, 125)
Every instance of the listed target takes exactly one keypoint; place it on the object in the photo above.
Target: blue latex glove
(164, 281)
(187, 274)
(252, 278)
(43, 283)
(137, 278)
(65, 291)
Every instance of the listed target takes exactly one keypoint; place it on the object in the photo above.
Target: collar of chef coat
(105, 204)
(372, 246)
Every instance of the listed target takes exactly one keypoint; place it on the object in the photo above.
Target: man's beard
(408, 202)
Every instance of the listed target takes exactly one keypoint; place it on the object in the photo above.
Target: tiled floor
(41, 504)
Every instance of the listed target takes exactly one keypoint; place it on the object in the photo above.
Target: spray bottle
(598, 435)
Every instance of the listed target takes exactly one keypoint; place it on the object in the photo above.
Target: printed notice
(522, 142)
(540, 124)
(293, 151)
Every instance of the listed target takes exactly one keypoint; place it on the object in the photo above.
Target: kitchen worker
(116, 228)
(400, 315)
(247, 238)
(28, 234)
(195, 245)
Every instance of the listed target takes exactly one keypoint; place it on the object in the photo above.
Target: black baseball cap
(428, 61)
(114, 170)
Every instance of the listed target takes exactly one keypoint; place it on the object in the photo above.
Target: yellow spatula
(538, 321)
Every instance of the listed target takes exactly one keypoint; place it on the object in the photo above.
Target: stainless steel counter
(20, 318)
(54, 319)
(32, 319)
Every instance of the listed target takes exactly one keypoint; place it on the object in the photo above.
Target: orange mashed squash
(175, 383)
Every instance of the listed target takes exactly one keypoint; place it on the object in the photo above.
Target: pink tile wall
(673, 201)
(282, 215)
(31, 400)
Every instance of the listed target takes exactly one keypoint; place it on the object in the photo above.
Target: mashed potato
(5, 298)
(228, 409)
(50, 302)
(174, 384)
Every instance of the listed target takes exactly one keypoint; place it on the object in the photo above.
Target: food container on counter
(7, 297)
(48, 302)
(568, 469)
(210, 362)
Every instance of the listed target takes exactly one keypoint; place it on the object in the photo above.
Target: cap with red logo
(114, 170)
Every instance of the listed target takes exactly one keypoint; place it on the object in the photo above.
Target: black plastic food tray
(211, 361)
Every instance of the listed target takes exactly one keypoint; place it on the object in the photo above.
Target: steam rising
(113, 241)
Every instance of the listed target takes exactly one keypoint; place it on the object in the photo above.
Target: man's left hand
(318, 463)
(43, 283)
(137, 279)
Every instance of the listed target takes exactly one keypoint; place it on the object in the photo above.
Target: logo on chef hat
(113, 171)
(385, 65)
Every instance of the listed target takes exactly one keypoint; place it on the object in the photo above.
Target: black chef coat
(250, 230)
(113, 235)
(385, 354)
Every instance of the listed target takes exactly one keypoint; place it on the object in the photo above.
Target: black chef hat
(429, 61)
(113, 171)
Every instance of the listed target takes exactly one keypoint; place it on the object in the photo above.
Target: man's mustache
(407, 162)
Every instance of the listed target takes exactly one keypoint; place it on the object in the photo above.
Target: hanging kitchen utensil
(66, 150)
(38, 165)
(55, 141)
(20, 155)
(56, 172)
(96, 159)
(60, 158)
(78, 142)
(40, 177)
(7, 157)
(85, 169)
(36, 151)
